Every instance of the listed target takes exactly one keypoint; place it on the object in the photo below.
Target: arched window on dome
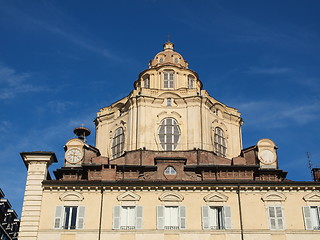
(117, 143)
(146, 81)
(190, 81)
(168, 79)
(220, 146)
(169, 134)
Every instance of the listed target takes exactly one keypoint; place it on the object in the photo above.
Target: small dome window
(176, 60)
(190, 81)
(146, 81)
(161, 60)
(170, 171)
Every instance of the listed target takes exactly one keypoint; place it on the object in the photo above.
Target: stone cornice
(177, 186)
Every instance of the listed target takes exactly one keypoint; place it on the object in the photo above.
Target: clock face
(74, 155)
(267, 156)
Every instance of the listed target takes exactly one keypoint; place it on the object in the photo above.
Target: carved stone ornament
(171, 197)
(273, 196)
(128, 196)
(71, 196)
(312, 197)
(215, 197)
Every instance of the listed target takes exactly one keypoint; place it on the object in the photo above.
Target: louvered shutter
(182, 217)
(138, 217)
(160, 217)
(272, 217)
(116, 217)
(166, 79)
(227, 217)
(279, 216)
(205, 217)
(58, 217)
(80, 217)
(307, 218)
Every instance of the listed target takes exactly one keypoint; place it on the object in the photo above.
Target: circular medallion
(74, 155)
(267, 156)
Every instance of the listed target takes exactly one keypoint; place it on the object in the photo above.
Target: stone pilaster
(37, 164)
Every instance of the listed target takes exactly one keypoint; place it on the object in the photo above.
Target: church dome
(168, 57)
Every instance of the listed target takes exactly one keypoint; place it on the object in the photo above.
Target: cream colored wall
(255, 220)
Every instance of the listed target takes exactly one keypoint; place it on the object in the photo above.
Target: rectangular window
(276, 218)
(147, 82)
(168, 79)
(171, 217)
(216, 217)
(169, 102)
(69, 217)
(190, 82)
(127, 217)
(312, 217)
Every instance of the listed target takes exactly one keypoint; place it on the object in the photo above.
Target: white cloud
(59, 106)
(270, 71)
(274, 114)
(14, 83)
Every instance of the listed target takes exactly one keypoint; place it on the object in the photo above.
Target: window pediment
(215, 197)
(128, 196)
(274, 197)
(171, 197)
(71, 196)
(312, 197)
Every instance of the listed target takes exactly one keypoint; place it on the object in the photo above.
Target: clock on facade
(74, 155)
(266, 156)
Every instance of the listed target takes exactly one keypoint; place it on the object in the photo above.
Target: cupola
(168, 57)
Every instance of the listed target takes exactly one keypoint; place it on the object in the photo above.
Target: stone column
(37, 164)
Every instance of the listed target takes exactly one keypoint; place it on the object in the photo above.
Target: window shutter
(160, 217)
(272, 217)
(307, 218)
(80, 217)
(227, 217)
(116, 217)
(182, 217)
(58, 217)
(279, 217)
(205, 217)
(138, 217)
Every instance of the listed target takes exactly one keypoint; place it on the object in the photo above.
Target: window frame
(118, 142)
(119, 215)
(309, 219)
(220, 142)
(222, 217)
(60, 221)
(191, 80)
(168, 79)
(276, 218)
(169, 102)
(169, 134)
(161, 217)
(146, 82)
(170, 171)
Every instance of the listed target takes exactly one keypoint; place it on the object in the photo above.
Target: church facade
(168, 163)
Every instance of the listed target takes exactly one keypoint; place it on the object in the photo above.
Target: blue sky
(61, 61)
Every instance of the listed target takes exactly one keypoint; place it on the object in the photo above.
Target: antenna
(168, 37)
(310, 164)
